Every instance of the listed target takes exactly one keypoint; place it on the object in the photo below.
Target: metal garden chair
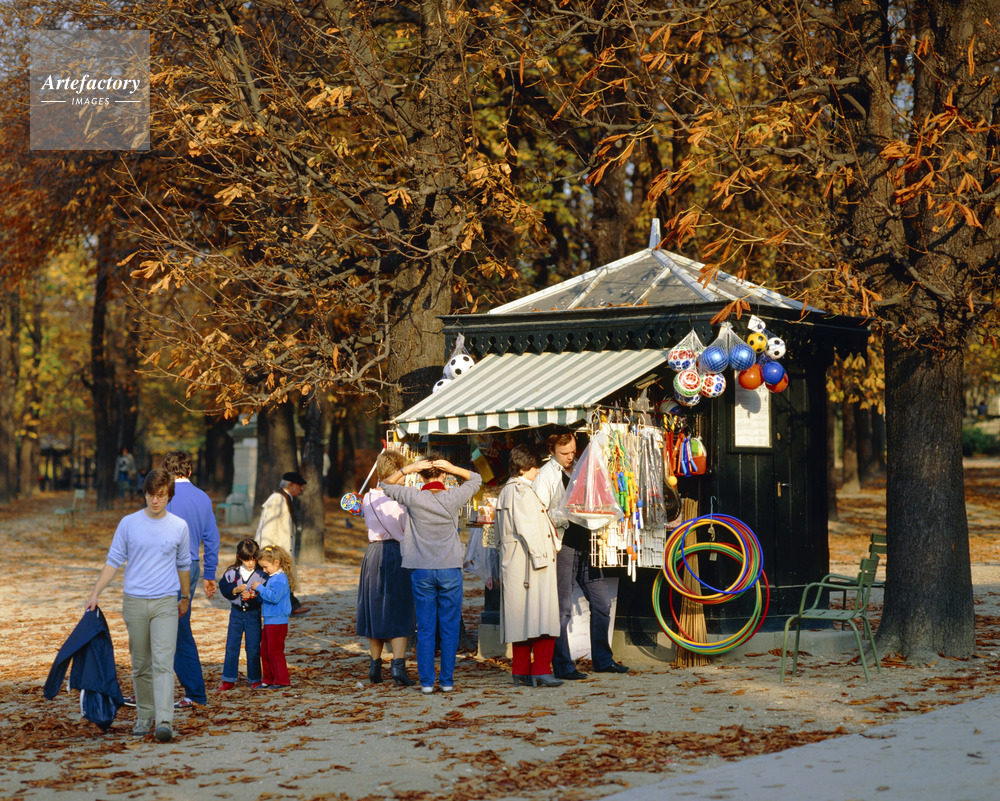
(816, 593)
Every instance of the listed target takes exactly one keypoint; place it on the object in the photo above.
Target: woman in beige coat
(529, 612)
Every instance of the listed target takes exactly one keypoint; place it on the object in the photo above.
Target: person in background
(528, 543)
(153, 545)
(573, 565)
(277, 522)
(275, 594)
(433, 552)
(244, 616)
(125, 472)
(385, 594)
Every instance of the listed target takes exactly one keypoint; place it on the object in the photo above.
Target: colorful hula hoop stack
(746, 552)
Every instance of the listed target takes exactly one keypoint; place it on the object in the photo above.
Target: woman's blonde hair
(275, 553)
(389, 462)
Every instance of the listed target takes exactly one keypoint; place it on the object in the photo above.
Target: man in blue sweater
(194, 507)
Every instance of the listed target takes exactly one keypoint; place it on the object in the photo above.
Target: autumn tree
(883, 116)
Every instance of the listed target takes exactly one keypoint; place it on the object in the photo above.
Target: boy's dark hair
(561, 437)
(245, 549)
(157, 481)
(522, 458)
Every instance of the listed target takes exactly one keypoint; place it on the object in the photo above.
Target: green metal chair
(876, 548)
(809, 609)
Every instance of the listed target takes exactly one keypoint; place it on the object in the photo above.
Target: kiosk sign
(89, 90)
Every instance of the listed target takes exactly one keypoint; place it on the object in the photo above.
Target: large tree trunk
(863, 438)
(30, 414)
(277, 449)
(9, 330)
(928, 602)
(218, 462)
(831, 463)
(849, 448)
(315, 423)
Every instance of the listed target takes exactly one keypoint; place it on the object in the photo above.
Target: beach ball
(757, 341)
(687, 383)
(741, 356)
(772, 372)
(713, 359)
(681, 358)
(441, 384)
(686, 400)
(751, 377)
(780, 386)
(775, 347)
(458, 365)
(712, 385)
(351, 502)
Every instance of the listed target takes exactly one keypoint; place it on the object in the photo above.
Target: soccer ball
(713, 385)
(441, 384)
(775, 347)
(713, 359)
(757, 341)
(741, 356)
(458, 365)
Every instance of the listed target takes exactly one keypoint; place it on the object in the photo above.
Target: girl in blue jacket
(276, 605)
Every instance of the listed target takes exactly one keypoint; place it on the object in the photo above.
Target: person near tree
(573, 566)
(528, 544)
(385, 594)
(277, 524)
(125, 472)
(433, 552)
(153, 545)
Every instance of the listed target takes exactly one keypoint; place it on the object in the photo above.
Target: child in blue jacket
(276, 606)
(244, 616)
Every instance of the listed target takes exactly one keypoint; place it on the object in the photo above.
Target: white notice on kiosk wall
(752, 427)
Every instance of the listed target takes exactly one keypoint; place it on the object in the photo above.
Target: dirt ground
(334, 736)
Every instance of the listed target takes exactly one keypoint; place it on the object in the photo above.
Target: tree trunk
(928, 602)
(106, 444)
(30, 414)
(863, 437)
(335, 478)
(849, 449)
(218, 466)
(831, 462)
(8, 385)
(277, 449)
(315, 420)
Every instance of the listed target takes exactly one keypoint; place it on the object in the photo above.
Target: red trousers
(274, 669)
(532, 657)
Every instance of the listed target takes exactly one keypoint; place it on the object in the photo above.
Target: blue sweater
(275, 599)
(194, 507)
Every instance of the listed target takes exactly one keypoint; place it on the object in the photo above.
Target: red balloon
(751, 377)
(780, 386)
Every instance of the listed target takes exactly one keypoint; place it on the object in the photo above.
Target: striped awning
(528, 389)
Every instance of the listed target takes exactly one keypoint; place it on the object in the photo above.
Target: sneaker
(258, 685)
(277, 686)
(427, 690)
(447, 688)
(184, 704)
(226, 685)
(142, 727)
(130, 701)
(300, 610)
(164, 732)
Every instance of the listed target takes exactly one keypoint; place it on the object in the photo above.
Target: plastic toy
(757, 341)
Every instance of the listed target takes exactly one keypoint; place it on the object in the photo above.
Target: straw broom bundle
(692, 616)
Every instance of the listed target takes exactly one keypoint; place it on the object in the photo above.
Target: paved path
(951, 754)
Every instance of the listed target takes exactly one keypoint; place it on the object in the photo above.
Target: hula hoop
(747, 552)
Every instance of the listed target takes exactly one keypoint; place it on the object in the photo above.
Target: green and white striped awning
(526, 390)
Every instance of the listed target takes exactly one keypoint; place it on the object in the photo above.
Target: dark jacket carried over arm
(92, 653)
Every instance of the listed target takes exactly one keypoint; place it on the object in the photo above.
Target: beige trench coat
(528, 545)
